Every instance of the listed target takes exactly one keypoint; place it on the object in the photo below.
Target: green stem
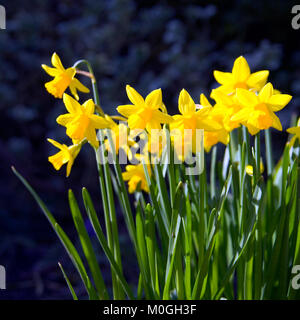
(107, 196)
(256, 174)
(269, 154)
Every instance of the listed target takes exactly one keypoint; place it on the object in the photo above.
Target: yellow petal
(127, 110)
(241, 70)
(279, 101)
(161, 117)
(51, 71)
(252, 129)
(292, 130)
(55, 60)
(249, 170)
(258, 79)
(64, 119)
(223, 77)
(153, 124)
(154, 99)
(246, 98)
(136, 122)
(186, 103)
(55, 143)
(89, 106)
(221, 97)
(266, 92)
(71, 104)
(79, 86)
(203, 101)
(91, 137)
(57, 86)
(58, 160)
(241, 116)
(134, 96)
(98, 122)
(69, 166)
(276, 122)
(74, 91)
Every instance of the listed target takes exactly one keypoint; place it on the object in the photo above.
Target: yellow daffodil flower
(154, 144)
(63, 78)
(135, 176)
(249, 169)
(144, 114)
(257, 111)
(81, 122)
(295, 131)
(240, 77)
(191, 117)
(120, 136)
(216, 115)
(227, 106)
(65, 155)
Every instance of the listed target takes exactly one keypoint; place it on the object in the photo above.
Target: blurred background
(147, 44)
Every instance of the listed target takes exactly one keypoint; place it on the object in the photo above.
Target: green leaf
(102, 240)
(68, 282)
(87, 247)
(72, 252)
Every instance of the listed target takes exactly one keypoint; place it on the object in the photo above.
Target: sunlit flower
(63, 78)
(81, 122)
(249, 169)
(144, 114)
(295, 131)
(240, 77)
(227, 106)
(257, 111)
(120, 136)
(65, 155)
(135, 176)
(216, 115)
(191, 119)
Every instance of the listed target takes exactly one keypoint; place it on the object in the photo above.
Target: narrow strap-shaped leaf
(72, 252)
(87, 247)
(102, 240)
(68, 282)
(174, 233)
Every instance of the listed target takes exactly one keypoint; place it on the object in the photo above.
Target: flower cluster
(242, 99)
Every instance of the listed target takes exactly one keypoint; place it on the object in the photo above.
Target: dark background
(147, 44)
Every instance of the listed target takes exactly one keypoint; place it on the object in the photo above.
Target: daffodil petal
(51, 71)
(185, 102)
(241, 116)
(266, 92)
(258, 79)
(91, 137)
(55, 143)
(279, 101)
(241, 70)
(89, 106)
(64, 119)
(79, 86)
(223, 77)
(136, 122)
(71, 104)
(203, 101)
(246, 98)
(276, 122)
(56, 62)
(154, 99)
(127, 110)
(134, 96)
(98, 122)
